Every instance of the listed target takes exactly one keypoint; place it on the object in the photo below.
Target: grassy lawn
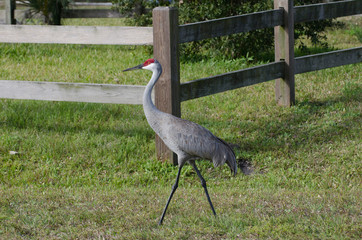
(89, 171)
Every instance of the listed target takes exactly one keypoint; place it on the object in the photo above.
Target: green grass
(89, 171)
(355, 27)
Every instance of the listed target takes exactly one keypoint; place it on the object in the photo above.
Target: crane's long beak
(134, 68)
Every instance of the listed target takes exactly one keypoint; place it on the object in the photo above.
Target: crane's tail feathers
(225, 153)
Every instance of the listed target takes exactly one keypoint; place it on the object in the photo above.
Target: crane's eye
(148, 62)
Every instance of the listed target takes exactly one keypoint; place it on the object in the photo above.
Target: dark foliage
(256, 43)
(139, 11)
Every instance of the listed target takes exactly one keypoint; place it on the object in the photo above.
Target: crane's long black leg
(203, 183)
(174, 187)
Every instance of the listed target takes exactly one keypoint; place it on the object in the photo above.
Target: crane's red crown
(145, 64)
(148, 62)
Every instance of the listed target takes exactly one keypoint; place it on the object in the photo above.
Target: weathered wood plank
(91, 13)
(284, 49)
(321, 11)
(328, 60)
(232, 80)
(72, 92)
(166, 51)
(76, 35)
(230, 25)
(228, 81)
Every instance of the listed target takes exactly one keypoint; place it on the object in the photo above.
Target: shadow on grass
(308, 123)
(68, 117)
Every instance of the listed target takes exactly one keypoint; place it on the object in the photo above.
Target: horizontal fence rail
(187, 33)
(322, 11)
(232, 80)
(130, 94)
(328, 60)
(72, 92)
(250, 76)
(265, 19)
(230, 25)
(76, 34)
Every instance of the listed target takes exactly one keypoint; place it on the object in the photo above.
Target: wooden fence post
(10, 11)
(166, 51)
(284, 50)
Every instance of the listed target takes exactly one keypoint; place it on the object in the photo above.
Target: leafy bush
(139, 11)
(254, 43)
(314, 31)
(232, 46)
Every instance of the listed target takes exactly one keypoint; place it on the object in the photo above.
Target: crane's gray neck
(148, 105)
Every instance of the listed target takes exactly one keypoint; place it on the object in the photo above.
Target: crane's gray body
(187, 139)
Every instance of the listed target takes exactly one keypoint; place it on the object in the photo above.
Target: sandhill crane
(187, 139)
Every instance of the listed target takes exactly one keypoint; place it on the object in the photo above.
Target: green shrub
(314, 30)
(232, 46)
(254, 43)
(139, 11)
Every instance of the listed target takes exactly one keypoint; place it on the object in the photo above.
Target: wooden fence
(166, 36)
